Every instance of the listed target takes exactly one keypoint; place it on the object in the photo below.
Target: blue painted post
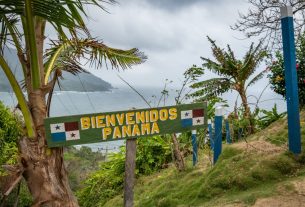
(210, 128)
(291, 80)
(195, 148)
(228, 134)
(218, 134)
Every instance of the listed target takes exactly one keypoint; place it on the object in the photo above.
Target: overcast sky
(172, 33)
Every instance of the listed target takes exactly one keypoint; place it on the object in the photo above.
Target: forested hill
(83, 82)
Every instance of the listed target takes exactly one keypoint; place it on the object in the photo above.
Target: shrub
(10, 130)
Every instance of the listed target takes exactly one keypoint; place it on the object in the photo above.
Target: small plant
(240, 124)
(269, 117)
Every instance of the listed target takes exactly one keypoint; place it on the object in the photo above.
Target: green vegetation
(234, 74)
(10, 131)
(153, 154)
(269, 117)
(244, 173)
(20, 195)
(80, 163)
(234, 174)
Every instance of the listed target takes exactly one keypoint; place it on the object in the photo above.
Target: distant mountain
(83, 82)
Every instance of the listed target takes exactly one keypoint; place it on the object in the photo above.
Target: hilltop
(257, 171)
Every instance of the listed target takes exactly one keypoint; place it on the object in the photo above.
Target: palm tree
(234, 74)
(23, 24)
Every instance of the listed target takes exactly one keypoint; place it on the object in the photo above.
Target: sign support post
(130, 166)
(294, 136)
(195, 148)
(218, 134)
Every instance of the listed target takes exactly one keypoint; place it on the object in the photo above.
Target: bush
(10, 131)
(80, 163)
(153, 154)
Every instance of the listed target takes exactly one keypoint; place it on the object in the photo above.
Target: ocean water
(123, 98)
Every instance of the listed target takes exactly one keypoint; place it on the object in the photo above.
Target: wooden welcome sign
(109, 126)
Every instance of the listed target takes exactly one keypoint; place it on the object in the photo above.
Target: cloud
(171, 4)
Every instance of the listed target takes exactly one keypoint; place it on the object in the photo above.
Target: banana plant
(268, 117)
(233, 74)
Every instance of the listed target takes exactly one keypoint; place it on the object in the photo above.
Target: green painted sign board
(110, 126)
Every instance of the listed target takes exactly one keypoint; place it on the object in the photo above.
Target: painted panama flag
(192, 117)
(61, 132)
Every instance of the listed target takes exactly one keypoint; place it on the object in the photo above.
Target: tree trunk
(179, 161)
(44, 169)
(245, 103)
(247, 113)
(130, 166)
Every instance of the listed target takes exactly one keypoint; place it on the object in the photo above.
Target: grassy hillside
(257, 171)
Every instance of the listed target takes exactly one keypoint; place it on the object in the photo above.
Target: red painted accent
(71, 126)
(198, 113)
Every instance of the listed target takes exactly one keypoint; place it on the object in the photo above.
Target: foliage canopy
(233, 73)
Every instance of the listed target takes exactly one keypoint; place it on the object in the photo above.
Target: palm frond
(252, 59)
(95, 52)
(59, 13)
(211, 88)
(9, 33)
(218, 53)
(225, 63)
(257, 78)
(232, 66)
(231, 53)
(219, 69)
